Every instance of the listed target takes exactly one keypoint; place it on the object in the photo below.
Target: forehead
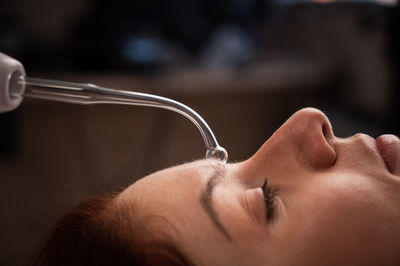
(181, 175)
(174, 194)
(170, 191)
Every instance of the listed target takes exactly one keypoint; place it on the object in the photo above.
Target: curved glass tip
(218, 153)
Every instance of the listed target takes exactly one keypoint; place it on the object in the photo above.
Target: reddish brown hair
(98, 232)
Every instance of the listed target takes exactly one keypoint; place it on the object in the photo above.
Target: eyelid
(252, 201)
(281, 210)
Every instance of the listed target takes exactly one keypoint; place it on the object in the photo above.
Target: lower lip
(389, 148)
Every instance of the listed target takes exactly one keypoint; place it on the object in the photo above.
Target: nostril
(327, 131)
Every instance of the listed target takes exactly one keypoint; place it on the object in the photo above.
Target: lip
(389, 149)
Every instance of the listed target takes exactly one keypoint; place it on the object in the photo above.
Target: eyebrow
(207, 203)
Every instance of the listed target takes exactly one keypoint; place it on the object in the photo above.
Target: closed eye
(269, 199)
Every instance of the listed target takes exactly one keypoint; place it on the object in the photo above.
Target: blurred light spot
(229, 48)
(141, 50)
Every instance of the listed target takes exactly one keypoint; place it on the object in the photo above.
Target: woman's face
(328, 201)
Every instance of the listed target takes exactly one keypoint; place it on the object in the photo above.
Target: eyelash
(269, 198)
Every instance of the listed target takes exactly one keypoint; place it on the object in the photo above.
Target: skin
(337, 203)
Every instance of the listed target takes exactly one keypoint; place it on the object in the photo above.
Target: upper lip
(388, 147)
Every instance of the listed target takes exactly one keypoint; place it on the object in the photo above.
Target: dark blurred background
(244, 65)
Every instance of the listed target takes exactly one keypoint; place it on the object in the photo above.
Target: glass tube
(80, 93)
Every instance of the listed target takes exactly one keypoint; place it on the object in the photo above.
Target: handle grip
(11, 90)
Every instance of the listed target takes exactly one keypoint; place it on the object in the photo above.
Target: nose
(312, 135)
(307, 136)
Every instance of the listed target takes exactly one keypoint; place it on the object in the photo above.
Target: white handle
(11, 90)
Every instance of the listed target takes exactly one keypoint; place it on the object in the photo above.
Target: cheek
(343, 202)
(343, 216)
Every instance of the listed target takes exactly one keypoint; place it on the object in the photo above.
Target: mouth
(389, 149)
